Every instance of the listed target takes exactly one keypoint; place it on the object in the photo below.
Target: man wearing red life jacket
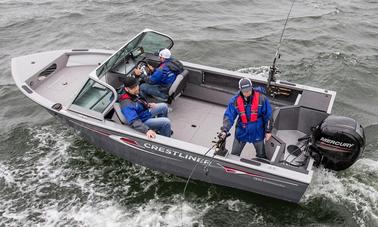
(254, 119)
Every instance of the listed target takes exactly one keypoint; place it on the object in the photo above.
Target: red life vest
(127, 96)
(124, 96)
(254, 108)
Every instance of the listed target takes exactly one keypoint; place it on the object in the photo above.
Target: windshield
(150, 41)
(94, 96)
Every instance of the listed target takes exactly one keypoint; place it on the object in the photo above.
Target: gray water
(49, 176)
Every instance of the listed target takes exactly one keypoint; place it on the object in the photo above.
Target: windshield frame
(125, 52)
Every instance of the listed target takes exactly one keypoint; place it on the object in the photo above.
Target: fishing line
(195, 166)
(284, 28)
(190, 176)
(273, 68)
(206, 167)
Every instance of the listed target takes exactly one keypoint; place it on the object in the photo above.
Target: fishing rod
(273, 69)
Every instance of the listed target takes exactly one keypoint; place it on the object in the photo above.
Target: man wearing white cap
(254, 119)
(163, 76)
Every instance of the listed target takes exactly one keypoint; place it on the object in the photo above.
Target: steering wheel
(143, 66)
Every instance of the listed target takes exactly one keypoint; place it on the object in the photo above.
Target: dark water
(51, 177)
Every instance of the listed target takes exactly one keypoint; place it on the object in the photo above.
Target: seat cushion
(178, 84)
(175, 84)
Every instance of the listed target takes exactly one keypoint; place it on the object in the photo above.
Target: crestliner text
(176, 153)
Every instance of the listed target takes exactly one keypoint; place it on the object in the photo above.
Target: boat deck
(198, 122)
(65, 84)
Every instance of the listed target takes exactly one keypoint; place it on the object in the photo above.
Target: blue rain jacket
(135, 111)
(253, 131)
(163, 75)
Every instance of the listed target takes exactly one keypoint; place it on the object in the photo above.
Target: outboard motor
(337, 142)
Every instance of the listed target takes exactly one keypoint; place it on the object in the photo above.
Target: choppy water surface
(49, 176)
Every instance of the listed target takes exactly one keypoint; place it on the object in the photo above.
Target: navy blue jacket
(253, 131)
(135, 109)
(163, 75)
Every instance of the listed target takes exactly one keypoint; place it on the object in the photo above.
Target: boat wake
(258, 70)
(62, 180)
(356, 189)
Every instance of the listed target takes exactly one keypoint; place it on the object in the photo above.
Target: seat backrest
(114, 80)
(118, 113)
(179, 84)
(297, 118)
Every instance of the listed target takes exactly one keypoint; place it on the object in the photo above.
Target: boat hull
(180, 162)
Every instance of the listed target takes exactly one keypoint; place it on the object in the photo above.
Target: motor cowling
(337, 142)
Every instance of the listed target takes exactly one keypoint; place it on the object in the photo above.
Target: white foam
(51, 157)
(37, 169)
(235, 205)
(14, 216)
(102, 214)
(360, 198)
(6, 174)
(156, 212)
(153, 213)
(256, 70)
(48, 159)
(365, 165)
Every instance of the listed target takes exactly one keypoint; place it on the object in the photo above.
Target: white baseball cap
(165, 53)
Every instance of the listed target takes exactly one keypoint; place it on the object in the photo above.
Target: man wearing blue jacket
(254, 119)
(144, 117)
(162, 78)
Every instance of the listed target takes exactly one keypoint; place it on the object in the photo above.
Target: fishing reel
(273, 71)
(220, 143)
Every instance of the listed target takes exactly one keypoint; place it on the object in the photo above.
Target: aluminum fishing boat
(79, 87)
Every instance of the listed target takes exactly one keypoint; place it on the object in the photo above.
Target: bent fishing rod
(273, 69)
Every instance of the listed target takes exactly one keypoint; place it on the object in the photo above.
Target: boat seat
(179, 84)
(114, 79)
(176, 88)
(118, 115)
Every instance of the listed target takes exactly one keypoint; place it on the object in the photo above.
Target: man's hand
(268, 136)
(222, 135)
(137, 72)
(151, 105)
(151, 134)
(150, 67)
